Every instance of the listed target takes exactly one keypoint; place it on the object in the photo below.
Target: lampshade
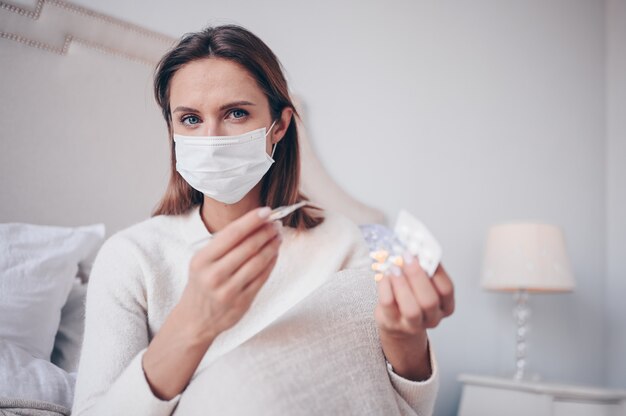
(526, 256)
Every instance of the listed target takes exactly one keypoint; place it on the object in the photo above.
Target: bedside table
(492, 396)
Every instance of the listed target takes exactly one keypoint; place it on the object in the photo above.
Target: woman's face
(217, 97)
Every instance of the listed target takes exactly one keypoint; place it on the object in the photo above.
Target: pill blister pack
(387, 247)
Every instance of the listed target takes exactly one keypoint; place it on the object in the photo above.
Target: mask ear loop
(275, 144)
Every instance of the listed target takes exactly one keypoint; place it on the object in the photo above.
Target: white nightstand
(491, 396)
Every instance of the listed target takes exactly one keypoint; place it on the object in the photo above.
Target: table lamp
(523, 258)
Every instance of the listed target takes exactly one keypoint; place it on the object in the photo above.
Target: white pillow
(69, 337)
(38, 265)
(23, 376)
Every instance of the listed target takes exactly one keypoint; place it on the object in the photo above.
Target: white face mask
(224, 168)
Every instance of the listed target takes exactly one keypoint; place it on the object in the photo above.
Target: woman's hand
(226, 275)
(409, 302)
(224, 278)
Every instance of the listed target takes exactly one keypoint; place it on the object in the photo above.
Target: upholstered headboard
(82, 140)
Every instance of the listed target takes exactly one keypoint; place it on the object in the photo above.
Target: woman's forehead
(207, 84)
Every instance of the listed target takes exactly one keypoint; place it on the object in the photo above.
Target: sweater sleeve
(110, 374)
(416, 397)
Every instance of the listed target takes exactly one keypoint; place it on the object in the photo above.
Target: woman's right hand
(227, 273)
(224, 278)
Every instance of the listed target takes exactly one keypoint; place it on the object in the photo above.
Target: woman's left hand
(409, 303)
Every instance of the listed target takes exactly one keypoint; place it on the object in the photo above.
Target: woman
(171, 318)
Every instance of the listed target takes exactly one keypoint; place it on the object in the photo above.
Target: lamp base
(521, 313)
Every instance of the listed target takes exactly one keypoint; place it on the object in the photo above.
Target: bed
(77, 115)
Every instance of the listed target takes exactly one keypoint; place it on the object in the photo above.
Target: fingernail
(264, 212)
(396, 271)
(408, 257)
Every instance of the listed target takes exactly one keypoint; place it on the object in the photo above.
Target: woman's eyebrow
(185, 109)
(235, 104)
(223, 107)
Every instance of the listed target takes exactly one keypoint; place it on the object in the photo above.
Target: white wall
(616, 191)
(467, 114)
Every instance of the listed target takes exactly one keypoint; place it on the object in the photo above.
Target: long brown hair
(280, 185)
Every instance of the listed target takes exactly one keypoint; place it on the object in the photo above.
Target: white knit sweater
(307, 345)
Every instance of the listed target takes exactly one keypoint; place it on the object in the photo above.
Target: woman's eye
(238, 113)
(190, 120)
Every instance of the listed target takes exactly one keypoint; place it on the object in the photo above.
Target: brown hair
(280, 185)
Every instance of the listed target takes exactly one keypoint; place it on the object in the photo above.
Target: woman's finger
(225, 240)
(246, 250)
(407, 304)
(249, 291)
(424, 291)
(250, 269)
(386, 301)
(444, 286)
